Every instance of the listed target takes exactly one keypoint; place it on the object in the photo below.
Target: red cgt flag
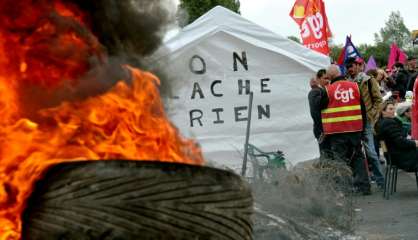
(313, 23)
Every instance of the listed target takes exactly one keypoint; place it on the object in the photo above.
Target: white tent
(214, 62)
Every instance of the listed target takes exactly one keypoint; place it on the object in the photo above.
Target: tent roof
(220, 19)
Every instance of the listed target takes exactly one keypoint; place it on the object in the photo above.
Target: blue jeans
(372, 157)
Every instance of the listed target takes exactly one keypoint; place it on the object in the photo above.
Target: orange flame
(127, 122)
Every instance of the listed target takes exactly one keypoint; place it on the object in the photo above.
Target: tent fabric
(277, 70)
(221, 19)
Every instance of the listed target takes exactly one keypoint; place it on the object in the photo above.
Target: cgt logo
(313, 24)
(344, 95)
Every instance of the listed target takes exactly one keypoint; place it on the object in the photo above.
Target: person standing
(342, 120)
(412, 73)
(400, 75)
(317, 83)
(372, 99)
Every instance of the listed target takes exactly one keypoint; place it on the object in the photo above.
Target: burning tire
(138, 200)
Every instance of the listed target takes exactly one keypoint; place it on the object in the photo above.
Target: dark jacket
(314, 98)
(401, 79)
(403, 151)
(412, 75)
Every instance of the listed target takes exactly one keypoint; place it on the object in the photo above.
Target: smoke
(110, 33)
(133, 28)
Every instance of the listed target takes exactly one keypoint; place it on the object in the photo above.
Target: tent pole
(247, 136)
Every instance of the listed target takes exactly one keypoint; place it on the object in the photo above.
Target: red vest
(414, 119)
(343, 113)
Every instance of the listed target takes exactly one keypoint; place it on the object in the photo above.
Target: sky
(360, 18)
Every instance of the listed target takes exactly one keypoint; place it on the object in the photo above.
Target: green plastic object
(274, 159)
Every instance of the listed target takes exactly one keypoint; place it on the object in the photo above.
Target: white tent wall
(217, 99)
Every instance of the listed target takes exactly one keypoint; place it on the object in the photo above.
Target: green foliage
(294, 38)
(335, 52)
(380, 52)
(193, 9)
(412, 51)
(394, 31)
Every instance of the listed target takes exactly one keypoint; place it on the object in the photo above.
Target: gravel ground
(302, 203)
(393, 219)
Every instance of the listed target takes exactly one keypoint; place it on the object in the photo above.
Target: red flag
(341, 57)
(311, 17)
(396, 55)
(298, 12)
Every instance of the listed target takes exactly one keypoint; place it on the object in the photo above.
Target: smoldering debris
(313, 202)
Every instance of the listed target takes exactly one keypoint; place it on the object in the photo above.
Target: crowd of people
(353, 111)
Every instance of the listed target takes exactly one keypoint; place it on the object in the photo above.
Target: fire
(45, 47)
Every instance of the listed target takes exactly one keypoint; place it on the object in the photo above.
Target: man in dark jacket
(314, 97)
(403, 151)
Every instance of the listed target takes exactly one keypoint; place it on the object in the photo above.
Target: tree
(380, 52)
(412, 52)
(394, 31)
(190, 10)
(335, 52)
(294, 38)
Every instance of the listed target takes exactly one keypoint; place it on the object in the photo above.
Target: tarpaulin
(215, 62)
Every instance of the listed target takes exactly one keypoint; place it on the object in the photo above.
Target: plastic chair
(263, 161)
(391, 173)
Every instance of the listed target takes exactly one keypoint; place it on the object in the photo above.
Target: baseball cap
(359, 60)
(352, 60)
